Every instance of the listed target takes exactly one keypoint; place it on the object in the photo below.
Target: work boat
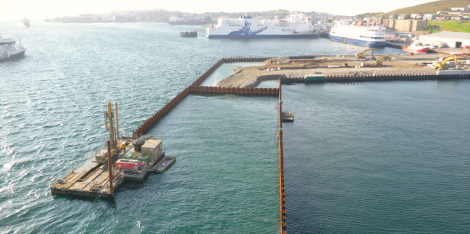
(416, 48)
(359, 33)
(25, 23)
(9, 50)
(296, 25)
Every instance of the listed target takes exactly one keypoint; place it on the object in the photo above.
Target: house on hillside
(442, 17)
(416, 15)
(466, 13)
(440, 13)
(455, 12)
(429, 17)
(402, 16)
(458, 8)
(392, 16)
(459, 17)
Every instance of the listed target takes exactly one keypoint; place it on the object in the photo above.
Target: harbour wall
(282, 193)
(372, 78)
(195, 88)
(233, 90)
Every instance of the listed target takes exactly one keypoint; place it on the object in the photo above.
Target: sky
(41, 9)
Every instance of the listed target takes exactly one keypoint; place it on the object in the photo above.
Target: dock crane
(361, 55)
(442, 65)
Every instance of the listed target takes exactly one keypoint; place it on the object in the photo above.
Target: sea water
(225, 178)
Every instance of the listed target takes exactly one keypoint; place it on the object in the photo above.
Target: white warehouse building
(452, 39)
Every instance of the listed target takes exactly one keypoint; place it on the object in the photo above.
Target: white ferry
(9, 51)
(359, 33)
(294, 26)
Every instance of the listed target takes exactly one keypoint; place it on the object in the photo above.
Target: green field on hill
(431, 7)
(454, 26)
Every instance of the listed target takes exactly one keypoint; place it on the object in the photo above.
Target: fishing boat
(416, 48)
(9, 50)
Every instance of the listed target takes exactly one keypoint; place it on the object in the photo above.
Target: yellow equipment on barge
(123, 158)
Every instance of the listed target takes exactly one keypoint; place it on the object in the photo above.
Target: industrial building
(452, 39)
(406, 25)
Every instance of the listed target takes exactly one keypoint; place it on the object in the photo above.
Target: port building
(452, 39)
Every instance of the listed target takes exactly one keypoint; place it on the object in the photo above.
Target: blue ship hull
(264, 36)
(358, 42)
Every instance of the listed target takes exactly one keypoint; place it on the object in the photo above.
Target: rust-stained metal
(110, 170)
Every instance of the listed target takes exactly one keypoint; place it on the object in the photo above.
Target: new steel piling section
(281, 168)
(195, 88)
(233, 90)
(374, 78)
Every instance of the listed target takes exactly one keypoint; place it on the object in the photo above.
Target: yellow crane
(442, 64)
(361, 55)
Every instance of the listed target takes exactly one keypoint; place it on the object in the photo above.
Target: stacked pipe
(233, 90)
(281, 168)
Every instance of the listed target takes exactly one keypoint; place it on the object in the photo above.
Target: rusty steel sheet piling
(195, 88)
(281, 168)
(232, 90)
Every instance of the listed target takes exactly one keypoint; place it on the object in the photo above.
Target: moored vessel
(358, 33)
(296, 25)
(9, 50)
(416, 48)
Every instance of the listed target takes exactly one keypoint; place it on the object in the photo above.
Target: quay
(329, 68)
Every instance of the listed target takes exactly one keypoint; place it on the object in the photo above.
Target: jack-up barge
(123, 158)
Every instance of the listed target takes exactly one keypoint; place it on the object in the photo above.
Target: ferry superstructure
(294, 26)
(363, 34)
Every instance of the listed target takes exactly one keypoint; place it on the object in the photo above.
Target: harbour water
(370, 158)
(386, 157)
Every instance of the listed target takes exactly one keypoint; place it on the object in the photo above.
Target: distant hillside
(431, 7)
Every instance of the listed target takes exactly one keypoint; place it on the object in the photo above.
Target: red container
(127, 164)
